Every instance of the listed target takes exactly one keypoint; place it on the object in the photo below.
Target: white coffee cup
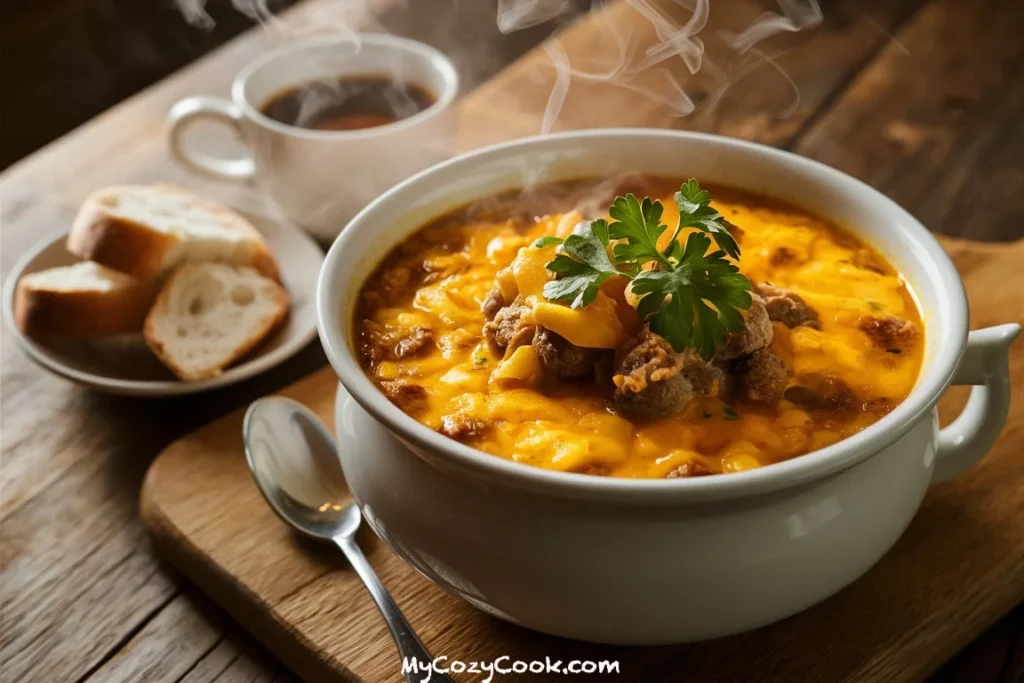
(320, 179)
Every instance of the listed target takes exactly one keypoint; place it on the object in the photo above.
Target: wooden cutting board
(957, 569)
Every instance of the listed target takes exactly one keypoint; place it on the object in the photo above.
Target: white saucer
(125, 365)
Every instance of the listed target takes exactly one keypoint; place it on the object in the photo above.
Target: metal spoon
(293, 459)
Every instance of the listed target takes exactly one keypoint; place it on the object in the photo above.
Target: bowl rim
(777, 476)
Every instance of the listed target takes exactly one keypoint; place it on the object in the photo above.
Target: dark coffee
(349, 103)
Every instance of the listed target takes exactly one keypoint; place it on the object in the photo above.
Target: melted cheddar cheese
(420, 337)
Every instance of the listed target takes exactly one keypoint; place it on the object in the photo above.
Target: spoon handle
(409, 646)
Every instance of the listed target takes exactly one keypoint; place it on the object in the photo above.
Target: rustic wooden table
(929, 94)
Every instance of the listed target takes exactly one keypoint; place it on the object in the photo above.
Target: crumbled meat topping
(889, 332)
(381, 343)
(757, 332)
(655, 381)
(762, 378)
(689, 469)
(493, 302)
(404, 394)
(787, 307)
(417, 341)
(560, 357)
(512, 327)
(652, 359)
(462, 428)
(821, 392)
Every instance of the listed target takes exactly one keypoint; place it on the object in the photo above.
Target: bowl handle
(986, 366)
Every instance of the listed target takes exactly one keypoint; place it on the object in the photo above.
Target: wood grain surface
(936, 120)
(83, 595)
(768, 94)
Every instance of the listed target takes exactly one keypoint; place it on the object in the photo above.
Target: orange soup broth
(437, 279)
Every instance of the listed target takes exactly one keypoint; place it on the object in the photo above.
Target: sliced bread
(208, 315)
(81, 300)
(146, 230)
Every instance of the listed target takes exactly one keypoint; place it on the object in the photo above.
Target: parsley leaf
(582, 264)
(698, 302)
(639, 223)
(695, 211)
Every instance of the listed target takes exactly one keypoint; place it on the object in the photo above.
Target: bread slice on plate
(81, 300)
(147, 230)
(208, 315)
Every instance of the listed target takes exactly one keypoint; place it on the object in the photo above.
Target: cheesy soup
(461, 328)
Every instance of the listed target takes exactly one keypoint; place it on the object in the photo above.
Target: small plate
(125, 365)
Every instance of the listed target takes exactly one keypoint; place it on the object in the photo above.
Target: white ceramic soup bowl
(656, 561)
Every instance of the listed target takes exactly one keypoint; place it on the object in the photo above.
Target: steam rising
(658, 71)
(662, 59)
(515, 15)
(676, 43)
(195, 12)
(795, 16)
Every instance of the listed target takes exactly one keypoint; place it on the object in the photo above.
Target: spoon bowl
(293, 459)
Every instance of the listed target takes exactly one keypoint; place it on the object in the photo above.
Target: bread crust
(118, 243)
(264, 263)
(97, 234)
(83, 314)
(268, 325)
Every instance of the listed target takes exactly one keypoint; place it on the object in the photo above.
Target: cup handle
(191, 109)
(985, 365)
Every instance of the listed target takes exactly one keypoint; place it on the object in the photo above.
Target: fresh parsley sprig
(690, 297)
(677, 301)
